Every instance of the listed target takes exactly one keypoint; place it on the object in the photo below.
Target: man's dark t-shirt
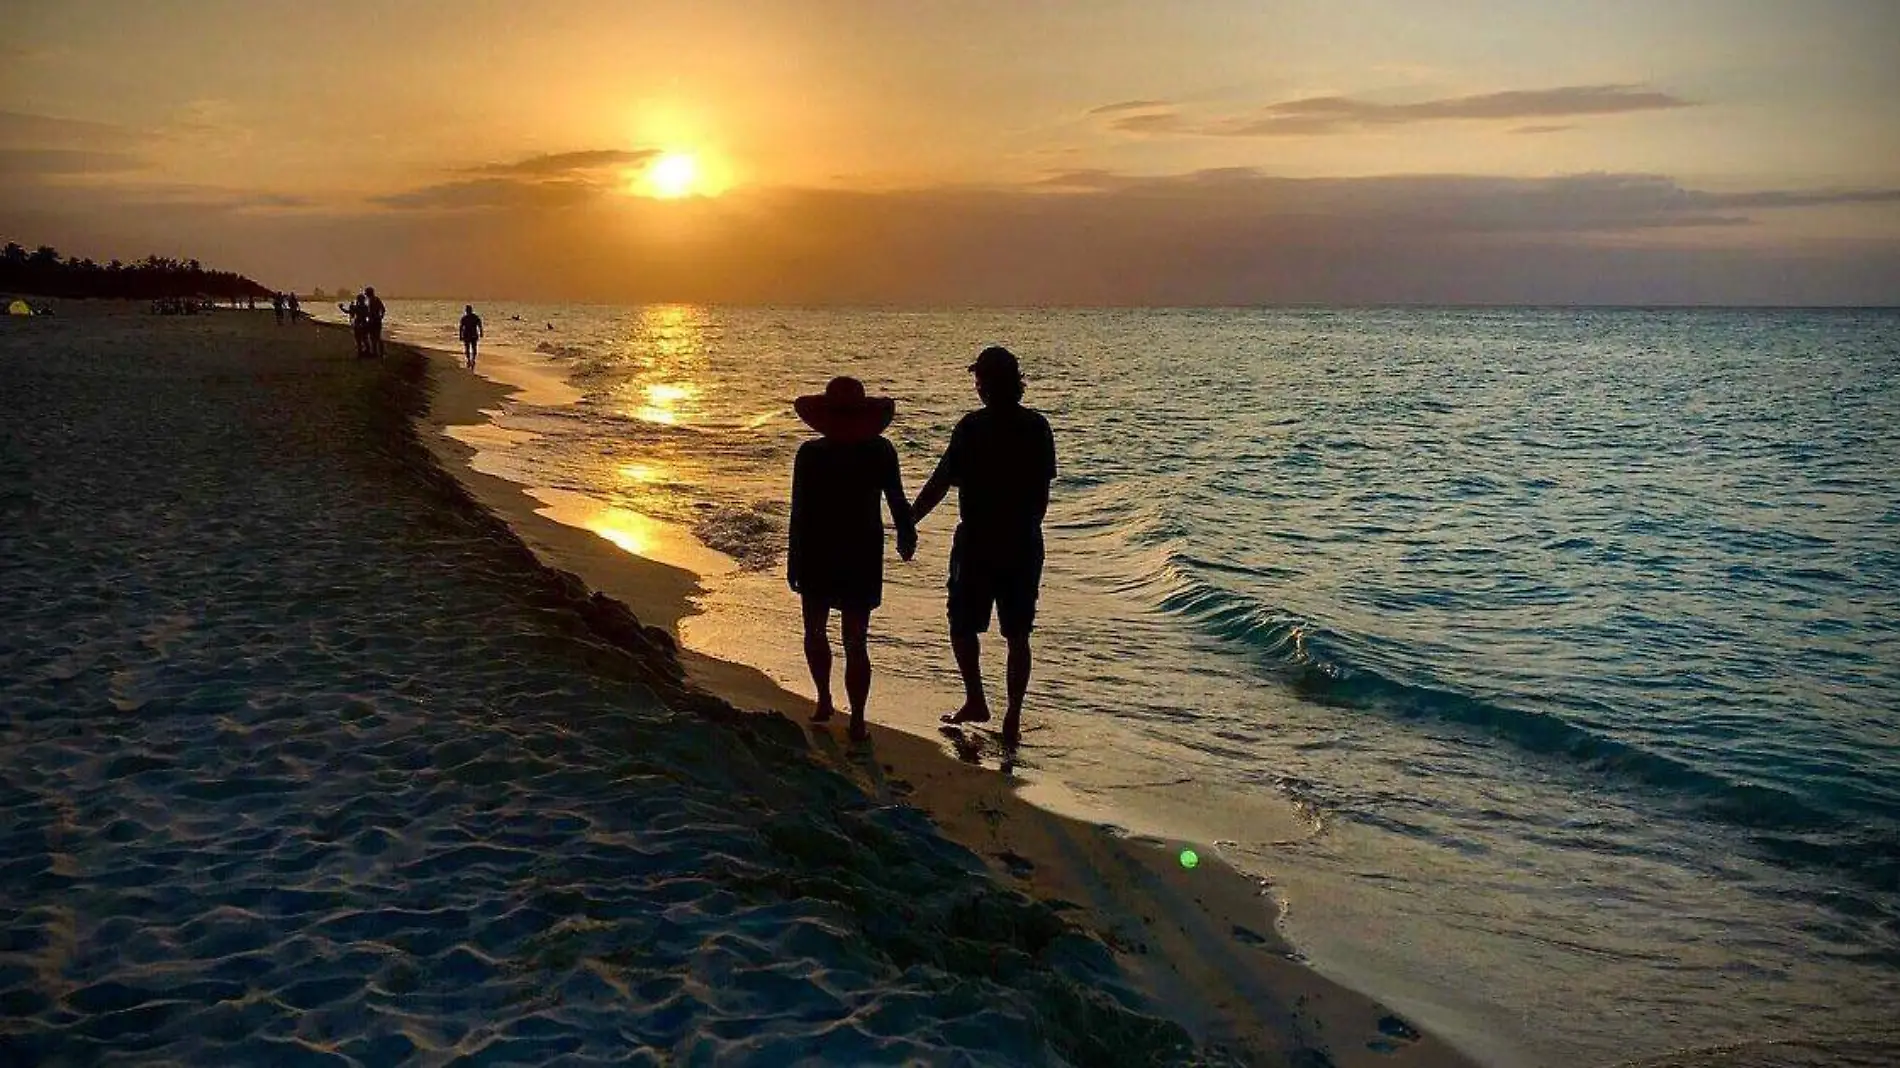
(1001, 459)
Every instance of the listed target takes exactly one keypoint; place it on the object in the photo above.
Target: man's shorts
(1007, 576)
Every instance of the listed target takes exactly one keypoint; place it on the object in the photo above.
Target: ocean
(1544, 662)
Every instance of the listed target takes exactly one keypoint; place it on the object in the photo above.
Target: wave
(565, 352)
(1315, 663)
(752, 536)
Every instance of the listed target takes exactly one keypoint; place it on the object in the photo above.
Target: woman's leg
(856, 625)
(818, 655)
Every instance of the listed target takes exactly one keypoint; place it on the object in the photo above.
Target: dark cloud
(553, 180)
(41, 162)
(1341, 114)
(1128, 105)
(22, 130)
(565, 163)
(493, 194)
(1545, 128)
(1775, 198)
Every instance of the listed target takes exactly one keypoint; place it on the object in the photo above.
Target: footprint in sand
(1394, 1034)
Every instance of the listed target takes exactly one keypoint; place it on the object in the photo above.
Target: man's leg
(1018, 686)
(818, 655)
(857, 666)
(1016, 617)
(969, 605)
(969, 650)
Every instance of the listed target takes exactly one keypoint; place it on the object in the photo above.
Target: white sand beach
(307, 759)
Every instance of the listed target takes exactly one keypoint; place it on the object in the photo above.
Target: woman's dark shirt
(837, 527)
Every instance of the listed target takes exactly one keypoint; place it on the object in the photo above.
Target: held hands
(906, 544)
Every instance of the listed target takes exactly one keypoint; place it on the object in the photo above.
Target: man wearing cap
(1001, 459)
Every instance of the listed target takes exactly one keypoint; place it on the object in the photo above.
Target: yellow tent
(19, 307)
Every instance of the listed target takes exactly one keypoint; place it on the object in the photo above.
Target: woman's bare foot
(824, 713)
(859, 732)
(971, 712)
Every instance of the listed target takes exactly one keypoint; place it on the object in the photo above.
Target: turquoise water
(1571, 634)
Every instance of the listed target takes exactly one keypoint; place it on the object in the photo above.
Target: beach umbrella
(19, 307)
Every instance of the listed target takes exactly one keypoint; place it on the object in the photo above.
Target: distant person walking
(471, 333)
(290, 301)
(376, 313)
(277, 306)
(1001, 459)
(836, 555)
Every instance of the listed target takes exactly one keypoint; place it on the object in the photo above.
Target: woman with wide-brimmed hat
(836, 556)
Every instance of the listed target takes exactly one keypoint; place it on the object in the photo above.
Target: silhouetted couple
(1001, 459)
(366, 322)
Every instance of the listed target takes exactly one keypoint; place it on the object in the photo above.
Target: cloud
(552, 180)
(1543, 128)
(44, 162)
(493, 193)
(1128, 105)
(1319, 115)
(1776, 198)
(22, 130)
(565, 163)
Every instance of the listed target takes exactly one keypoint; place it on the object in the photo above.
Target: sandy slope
(305, 761)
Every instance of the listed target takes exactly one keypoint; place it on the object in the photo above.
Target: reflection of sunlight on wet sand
(532, 384)
(641, 535)
(488, 435)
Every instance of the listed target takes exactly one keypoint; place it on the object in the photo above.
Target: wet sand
(306, 758)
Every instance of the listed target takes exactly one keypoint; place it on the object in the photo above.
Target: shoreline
(1203, 943)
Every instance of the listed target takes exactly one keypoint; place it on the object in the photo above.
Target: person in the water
(1001, 459)
(836, 555)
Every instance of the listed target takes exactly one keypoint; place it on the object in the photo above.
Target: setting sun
(672, 175)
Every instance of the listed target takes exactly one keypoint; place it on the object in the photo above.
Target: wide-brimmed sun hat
(843, 411)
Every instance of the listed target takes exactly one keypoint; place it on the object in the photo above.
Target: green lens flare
(1189, 858)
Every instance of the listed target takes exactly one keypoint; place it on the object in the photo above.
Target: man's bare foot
(969, 713)
(824, 713)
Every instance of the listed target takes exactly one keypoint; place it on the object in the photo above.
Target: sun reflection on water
(673, 355)
(643, 473)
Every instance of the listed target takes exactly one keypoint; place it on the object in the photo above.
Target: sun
(673, 175)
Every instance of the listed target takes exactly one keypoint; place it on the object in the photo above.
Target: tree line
(42, 272)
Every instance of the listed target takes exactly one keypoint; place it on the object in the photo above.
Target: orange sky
(962, 151)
